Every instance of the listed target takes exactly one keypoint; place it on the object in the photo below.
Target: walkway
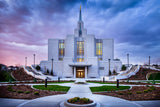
(79, 90)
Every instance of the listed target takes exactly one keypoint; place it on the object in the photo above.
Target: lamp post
(34, 60)
(109, 66)
(25, 61)
(128, 59)
(149, 62)
(52, 67)
(35, 80)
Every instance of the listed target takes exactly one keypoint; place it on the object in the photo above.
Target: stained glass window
(80, 48)
(61, 49)
(98, 48)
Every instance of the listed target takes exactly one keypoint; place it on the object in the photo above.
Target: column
(74, 71)
(86, 72)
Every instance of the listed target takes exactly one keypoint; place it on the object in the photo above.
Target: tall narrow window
(80, 51)
(80, 48)
(99, 49)
(61, 49)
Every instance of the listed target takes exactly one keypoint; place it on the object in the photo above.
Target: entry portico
(80, 69)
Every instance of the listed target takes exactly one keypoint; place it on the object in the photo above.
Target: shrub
(13, 90)
(152, 88)
(147, 85)
(149, 90)
(85, 100)
(146, 91)
(38, 67)
(10, 88)
(110, 72)
(51, 72)
(36, 93)
(76, 99)
(47, 71)
(120, 93)
(19, 91)
(27, 92)
(135, 76)
(114, 72)
(123, 67)
(148, 82)
(129, 93)
(138, 92)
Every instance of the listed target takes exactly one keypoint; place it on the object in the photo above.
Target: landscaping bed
(136, 93)
(123, 82)
(24, 92)
(21, 75)
(141, 74)
(78, 100)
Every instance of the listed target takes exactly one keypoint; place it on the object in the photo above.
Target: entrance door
(80, 72)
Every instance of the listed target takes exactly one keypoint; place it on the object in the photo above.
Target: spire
(80, 16)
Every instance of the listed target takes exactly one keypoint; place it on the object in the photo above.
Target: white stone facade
(83, 56)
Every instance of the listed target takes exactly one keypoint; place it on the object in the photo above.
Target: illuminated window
(98, 48)
(80, 59)
(99, 59)
(80, 48)
(61, 59)
(61, 49)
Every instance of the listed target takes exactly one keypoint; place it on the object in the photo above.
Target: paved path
(153, 103)
(5, 102)
(79, 90)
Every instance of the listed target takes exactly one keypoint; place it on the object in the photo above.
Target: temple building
(81, 55)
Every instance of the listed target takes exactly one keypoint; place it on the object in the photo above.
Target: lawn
(155, 76)
(100, 82)
(108, 88)
(150, 81)
(52, 88)
(56, 82)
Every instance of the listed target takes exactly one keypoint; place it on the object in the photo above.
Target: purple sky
(26, 25)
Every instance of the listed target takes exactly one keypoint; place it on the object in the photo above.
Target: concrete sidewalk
(5, 102)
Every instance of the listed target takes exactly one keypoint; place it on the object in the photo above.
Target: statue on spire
(80, 17)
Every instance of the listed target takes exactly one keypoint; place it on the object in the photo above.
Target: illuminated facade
(81, 55)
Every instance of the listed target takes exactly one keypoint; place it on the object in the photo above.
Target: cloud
(133, 24)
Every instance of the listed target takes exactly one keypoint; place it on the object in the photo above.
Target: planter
(67, 104)
(79, 102)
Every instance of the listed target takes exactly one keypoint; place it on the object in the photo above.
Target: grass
(52, 87)
(100, 82)
(155, 76)
(151, 81)
(60, 82)
(108, 88)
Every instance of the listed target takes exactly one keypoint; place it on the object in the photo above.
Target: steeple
(80, 16)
